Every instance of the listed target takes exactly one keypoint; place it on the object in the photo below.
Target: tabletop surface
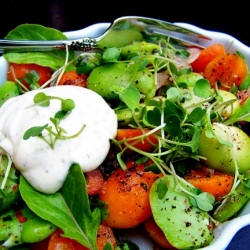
(71, 15)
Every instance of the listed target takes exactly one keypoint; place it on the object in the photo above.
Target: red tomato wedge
(243, 95)
(216, 183)
(94, 181)
(206, 55)
(105, 235)
(226, 70)
(145, 144)
(58, 242)
(17, 72)
(73, 78)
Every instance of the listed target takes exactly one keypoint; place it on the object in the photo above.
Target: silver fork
(151, 29)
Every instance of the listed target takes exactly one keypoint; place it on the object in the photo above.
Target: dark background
(65, 15)
(231, 18)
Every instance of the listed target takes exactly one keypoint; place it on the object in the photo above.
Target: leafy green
(131, 97)
(202, 88)
(34, 32)
(68, 209)
(53, 59)
(241, 114)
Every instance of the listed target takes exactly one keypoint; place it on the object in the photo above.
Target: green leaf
(173, 125)
(196, 115)
(173, 93)
(41, 99)
(205, 201)
(162, 189)
(131, 97)
(32, 79)
(67, 105)
(68, 209)
(78, 203)
(53, 59)
(7, 90)
(241, 114)
(172, 108)
(152, 117)
(34, 131)
(202, 88)
(35, 32)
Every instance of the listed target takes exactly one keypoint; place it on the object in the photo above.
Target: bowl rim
(227, 230)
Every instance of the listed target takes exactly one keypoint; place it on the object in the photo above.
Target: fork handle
(84, 44)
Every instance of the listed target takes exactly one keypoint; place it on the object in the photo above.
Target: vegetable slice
(29, 74)
(73, 78)
(207, 55)
(62, 208)
(130, 135)
(126, 193)
(185, 226)
(226, 70)
(216, 183)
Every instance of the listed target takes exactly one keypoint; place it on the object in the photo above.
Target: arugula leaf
(35, 32)
(68, 209)
(75, 194)
(53, 59)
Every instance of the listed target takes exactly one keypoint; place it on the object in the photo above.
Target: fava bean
(9, 186)
(235, 202)
(23, 226)
(110, 80)
(7, 90)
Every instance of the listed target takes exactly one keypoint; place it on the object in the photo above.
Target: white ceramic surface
(225, 232)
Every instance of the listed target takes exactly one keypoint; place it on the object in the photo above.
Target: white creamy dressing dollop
(46, 168)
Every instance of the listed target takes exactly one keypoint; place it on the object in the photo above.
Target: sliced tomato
(206, 55)
(94, 181)
(208, 180)
(226, 70)
(73, 78)
(18, 72)
(58, 242)
(105, 235)
(145, 144)
(242, 95)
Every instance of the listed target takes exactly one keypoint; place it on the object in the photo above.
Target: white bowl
(225, 232)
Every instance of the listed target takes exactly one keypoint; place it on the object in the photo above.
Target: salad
(139, 136)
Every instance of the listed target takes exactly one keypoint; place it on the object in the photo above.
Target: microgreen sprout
(6, 172)
(67, 105)
(177, 131)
